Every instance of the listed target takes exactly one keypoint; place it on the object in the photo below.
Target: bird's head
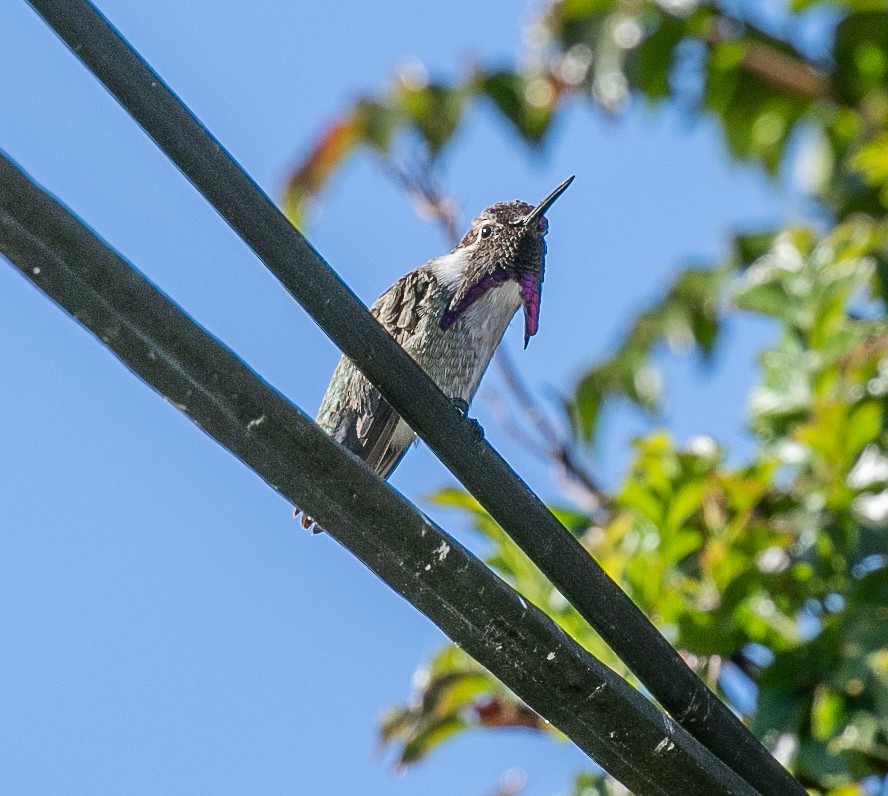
(505, 243)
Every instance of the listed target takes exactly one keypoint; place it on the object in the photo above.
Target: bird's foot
(461, 404)
(307, 522)
(463, 407)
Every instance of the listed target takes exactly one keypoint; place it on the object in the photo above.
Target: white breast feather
(484, 323)
(450, 269)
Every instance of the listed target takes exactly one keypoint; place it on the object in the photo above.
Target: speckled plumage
(449, 315)
(355, 414)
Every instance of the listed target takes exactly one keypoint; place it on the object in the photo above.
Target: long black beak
(542, 207)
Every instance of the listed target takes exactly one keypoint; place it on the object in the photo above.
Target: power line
(413, 394)
(516, 641)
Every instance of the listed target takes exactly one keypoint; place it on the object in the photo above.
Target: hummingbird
(449, 315)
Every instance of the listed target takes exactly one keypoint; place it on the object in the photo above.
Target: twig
(554, 444)
(790, 73)
(786, 72)
(505, 418)
(420, 185)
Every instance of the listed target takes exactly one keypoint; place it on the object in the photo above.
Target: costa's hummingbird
(449, 315)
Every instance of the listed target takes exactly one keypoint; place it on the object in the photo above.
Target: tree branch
(431, 203)
(790, 73)
(554, 445)
(785, 72)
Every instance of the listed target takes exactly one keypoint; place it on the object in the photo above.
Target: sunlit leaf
(324, 157)
(688, 317)
(527, 102)
(861, 54)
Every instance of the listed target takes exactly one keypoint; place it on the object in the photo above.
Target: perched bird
(449, 315)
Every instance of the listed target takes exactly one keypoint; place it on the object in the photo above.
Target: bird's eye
(486, 231)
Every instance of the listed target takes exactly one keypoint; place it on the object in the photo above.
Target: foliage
(771, 577)
(761, 89)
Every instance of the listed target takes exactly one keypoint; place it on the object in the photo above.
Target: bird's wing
(353, 411)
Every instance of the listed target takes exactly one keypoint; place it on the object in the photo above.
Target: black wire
(413, 394)
(517, 642)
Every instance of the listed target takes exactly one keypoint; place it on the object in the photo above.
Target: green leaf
(861, 55)
(650, 65)
(425, 741)
(872, 162)
(435, 111)
(687, 317)
(528, 102)
(827, 714)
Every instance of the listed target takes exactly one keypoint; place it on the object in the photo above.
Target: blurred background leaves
(770, 576)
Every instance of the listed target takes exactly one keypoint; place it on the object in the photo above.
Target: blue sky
(166, 626)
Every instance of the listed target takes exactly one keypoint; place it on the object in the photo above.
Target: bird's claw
(463, 407)
(307, 522)
(461, 404)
